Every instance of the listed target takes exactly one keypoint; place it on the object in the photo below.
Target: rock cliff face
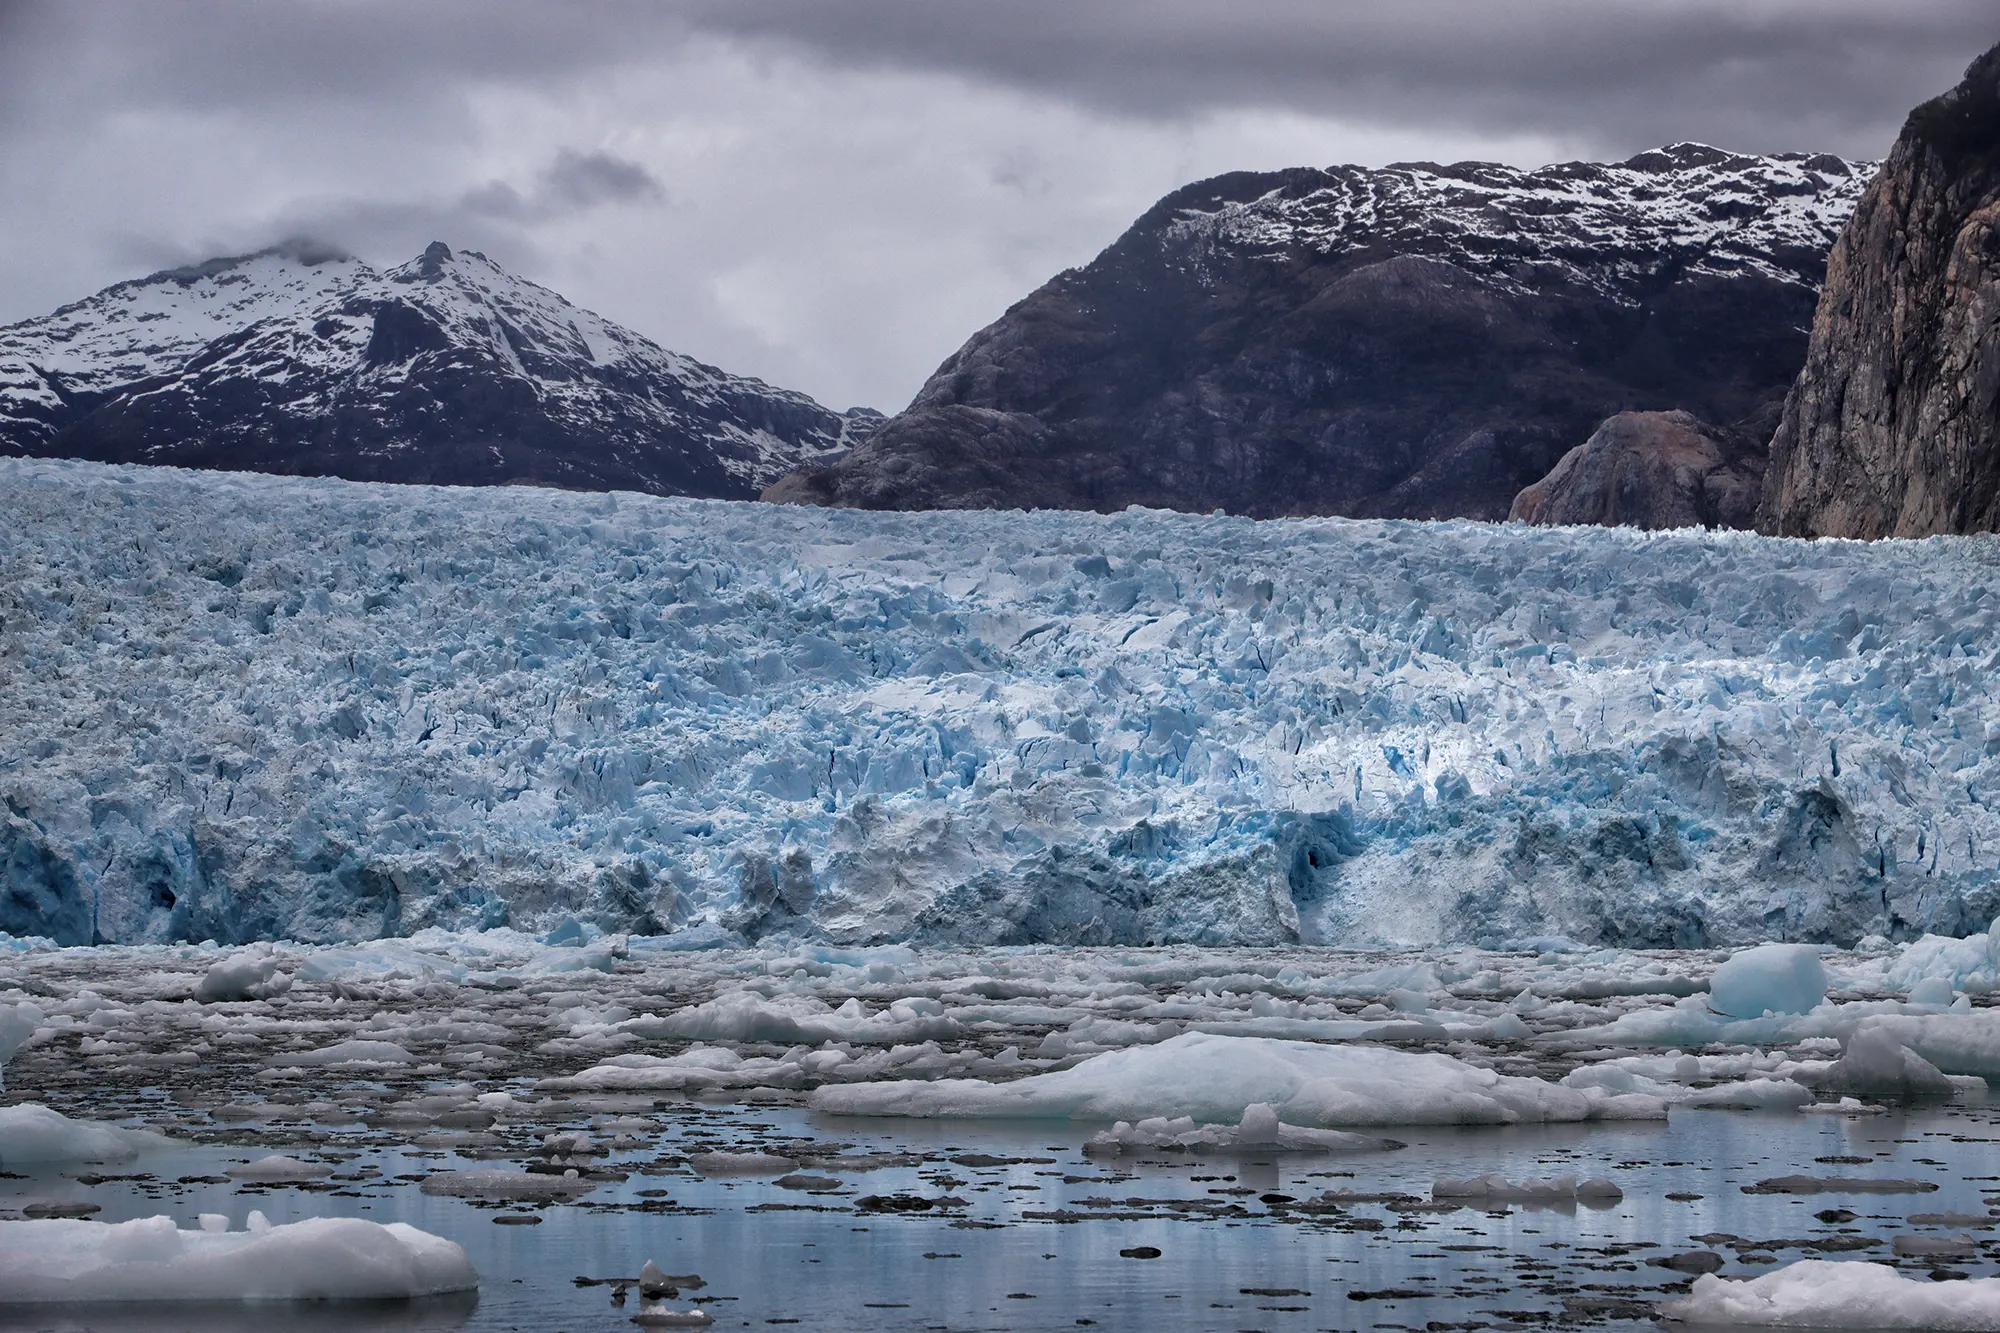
(1651, 470)
(1417, 341)
(1893, 429)
(446, 370)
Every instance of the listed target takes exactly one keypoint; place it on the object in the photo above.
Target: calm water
(777, 1257)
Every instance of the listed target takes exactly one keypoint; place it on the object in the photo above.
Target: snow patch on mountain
(279, 352)
(1605, 227)
(153, 325)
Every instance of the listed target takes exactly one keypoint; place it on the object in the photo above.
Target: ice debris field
(1786, 1135)
(237, 707)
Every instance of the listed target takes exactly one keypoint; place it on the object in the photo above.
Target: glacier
(238, 708)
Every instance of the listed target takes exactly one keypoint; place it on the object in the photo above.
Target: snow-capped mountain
(1612, 228)
(446, 369)
(1418, 340)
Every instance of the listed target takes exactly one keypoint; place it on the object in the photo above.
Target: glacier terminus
(241, 707)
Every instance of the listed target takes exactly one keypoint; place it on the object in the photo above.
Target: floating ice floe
(1768, 979)
(1817, 1293)
(356, 1052)
(1965, 1043)
(150, 1259)
(663, 1317)
(247, 974)
(1840, 1185)
(1751, 1094)
(278, 1170)
(740, 1164)
(1971, 963)
(1493, 1188)
(1845, 1106)
(1216, 1078)
(1259, 1131)
(747, 1016)
(31, 1132)
(505, 1186)
(18, 1025)
(1876, 1064)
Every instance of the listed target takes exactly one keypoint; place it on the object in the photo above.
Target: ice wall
(247, 707)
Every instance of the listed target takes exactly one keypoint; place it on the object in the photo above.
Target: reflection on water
(1024, 1232)
(436, 1314)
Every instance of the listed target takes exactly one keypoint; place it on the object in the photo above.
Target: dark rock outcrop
(1418, 341)
(447, 370)
(1893, 429)
(1651, 470)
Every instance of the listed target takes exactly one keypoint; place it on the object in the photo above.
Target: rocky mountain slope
(447, 370)
(1417, 341)
(1894, 426)
(1651, 470)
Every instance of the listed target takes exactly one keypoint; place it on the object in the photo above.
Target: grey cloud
(1758, 74)
(573, 183)
(1830, 74)
(497, 216)
(585, 180)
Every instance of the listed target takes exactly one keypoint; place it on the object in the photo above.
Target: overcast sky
(833, 194)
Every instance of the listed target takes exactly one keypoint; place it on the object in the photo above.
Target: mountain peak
(446, 369)
(435, 256)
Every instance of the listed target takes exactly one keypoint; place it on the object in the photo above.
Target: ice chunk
(328, 1258)
(747, 1016)
(1259, 1131)
(502, 1185)
(18, 1024)
(1213, 1079)
(278, 1169)
(1494, 1188)
(1258, 1125)
(31, 1132)
(357, 1051)
(1877, 1065)
(1817, 1293)
(1956, 1043)
(1771, 978)
(1845, 1106)
(740, 1164)
(1755, 1094)
(247, 974)
(1936, 962)
(1933, 991)
(1840, 1185)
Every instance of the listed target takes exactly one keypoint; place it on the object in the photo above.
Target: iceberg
(33, 1133)
(1258, 1132)
(151, 1260)
(1769, 979)
(1817, 1293)
(1214, 1079)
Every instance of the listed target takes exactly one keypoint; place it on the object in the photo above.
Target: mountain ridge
(446, 369)
(1409, 341)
